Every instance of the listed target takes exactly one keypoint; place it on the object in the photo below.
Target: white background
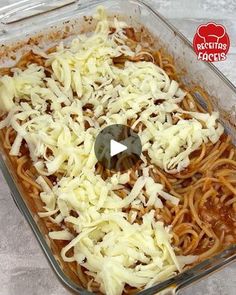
(23, 268)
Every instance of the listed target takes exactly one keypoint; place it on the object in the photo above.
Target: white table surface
(23, 268)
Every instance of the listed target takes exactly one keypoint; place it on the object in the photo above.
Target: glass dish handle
(24, 9)
(175, 284)
(207, 267)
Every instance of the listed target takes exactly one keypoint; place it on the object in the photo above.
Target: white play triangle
(116, 147)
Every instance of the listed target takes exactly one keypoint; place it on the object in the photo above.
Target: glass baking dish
(28, 23)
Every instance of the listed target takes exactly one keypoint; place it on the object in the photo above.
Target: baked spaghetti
(123, 231)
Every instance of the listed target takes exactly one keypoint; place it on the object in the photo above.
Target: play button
(118, 147)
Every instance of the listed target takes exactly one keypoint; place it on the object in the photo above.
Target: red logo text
(211, 42)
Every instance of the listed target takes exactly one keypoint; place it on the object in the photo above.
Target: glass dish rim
(174, 283)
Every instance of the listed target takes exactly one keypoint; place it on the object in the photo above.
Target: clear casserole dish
(19, 32)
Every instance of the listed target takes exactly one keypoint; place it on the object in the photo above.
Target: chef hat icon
(211, 32)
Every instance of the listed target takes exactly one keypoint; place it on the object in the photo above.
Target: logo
(211, 42)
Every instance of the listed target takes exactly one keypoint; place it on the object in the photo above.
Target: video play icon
(118, 147)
